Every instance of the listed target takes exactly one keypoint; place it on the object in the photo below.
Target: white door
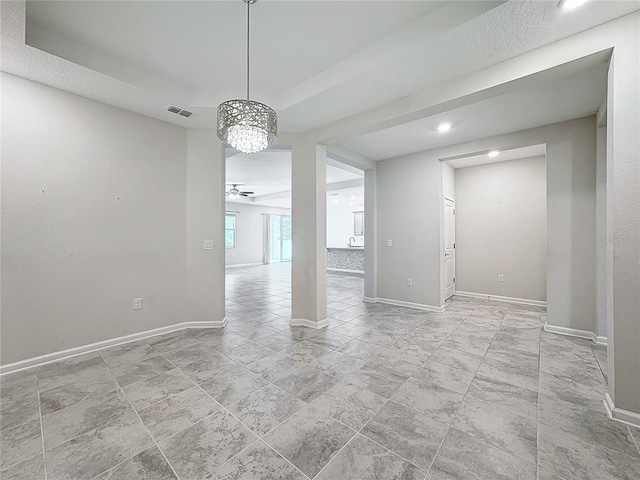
(449, 247)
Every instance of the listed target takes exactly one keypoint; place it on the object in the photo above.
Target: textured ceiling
(565, 98)
(269, 172)
(316, 62)
(503, 156)
(201, 45)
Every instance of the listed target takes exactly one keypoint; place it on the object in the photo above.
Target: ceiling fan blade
(242, 194)
(248, 193)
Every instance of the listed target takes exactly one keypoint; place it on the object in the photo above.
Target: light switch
(207, 245)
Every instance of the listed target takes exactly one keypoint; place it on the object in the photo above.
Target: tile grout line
(591, 441)
(388, 400)
(262, 438)
(150, 435)
(145, 426)
(471, 396)
(538, 405)
(359, 432)
(108, 371)
(633, 437)
(258, 438)
(355, 434)
(450, 426)
(44, 451)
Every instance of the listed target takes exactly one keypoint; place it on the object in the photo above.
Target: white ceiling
(315, 61)
(201, 45)
(565, 98)
(264, 172)
(268, 175)
(353, 197)
(503, 156)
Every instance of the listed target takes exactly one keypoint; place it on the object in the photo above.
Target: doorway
(449, 247)
(280, 238)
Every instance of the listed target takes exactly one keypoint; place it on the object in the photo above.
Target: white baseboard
(601, 340)
(244, 265)
(303, 322)
(344, 270)
(498, 298)
(620, 415)
(401, 303)
(112, 342)
(574, 332)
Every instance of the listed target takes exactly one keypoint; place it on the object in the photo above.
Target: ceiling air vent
(178, 110)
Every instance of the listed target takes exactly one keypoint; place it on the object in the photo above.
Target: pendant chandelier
(246, 125)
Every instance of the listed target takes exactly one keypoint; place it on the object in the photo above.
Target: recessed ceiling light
(335, 201)
(493, 153)
(353, 197)
(444, 127)
(570, 4)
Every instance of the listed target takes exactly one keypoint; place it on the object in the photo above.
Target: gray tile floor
(477, 392)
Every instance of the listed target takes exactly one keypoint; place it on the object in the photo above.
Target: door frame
(448, 203)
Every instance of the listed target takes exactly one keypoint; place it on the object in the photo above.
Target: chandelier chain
(246, 125)
(248, 26)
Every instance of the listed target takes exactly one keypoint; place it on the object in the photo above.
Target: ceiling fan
(234, 193)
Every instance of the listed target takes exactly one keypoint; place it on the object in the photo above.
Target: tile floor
(477, 392)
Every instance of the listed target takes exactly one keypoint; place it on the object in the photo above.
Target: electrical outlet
(501, 278)
(389, 243)
(207, 245)
(137, 303)
(410, 282)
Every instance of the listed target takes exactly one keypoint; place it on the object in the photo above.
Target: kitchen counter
(346, 258)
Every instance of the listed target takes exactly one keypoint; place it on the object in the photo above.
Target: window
(230, 230)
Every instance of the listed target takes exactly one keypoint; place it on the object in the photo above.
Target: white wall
(340, 223)
(501, 229)
(249, 232)
(601, 231)
(205, 221)
(448, 181)
(623, 219)
(93, 215)
(571, 252)
(410, 193)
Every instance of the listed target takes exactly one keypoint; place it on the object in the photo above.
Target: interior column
(370, 235)
(623, 232)
(308, 214)
(205, 221)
